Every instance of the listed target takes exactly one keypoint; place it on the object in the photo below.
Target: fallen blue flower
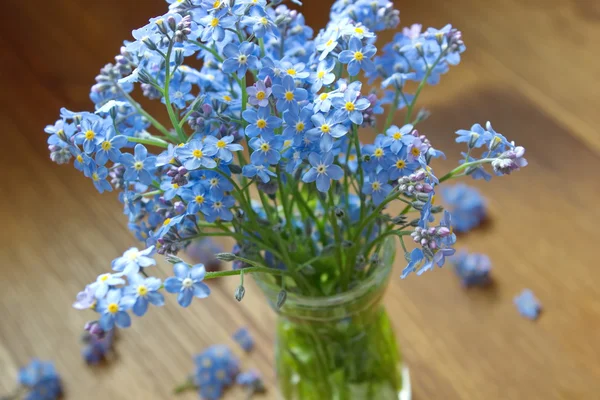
(528, 305)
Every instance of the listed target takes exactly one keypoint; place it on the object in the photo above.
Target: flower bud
(225, 256)
(239, 293)
(281, 297)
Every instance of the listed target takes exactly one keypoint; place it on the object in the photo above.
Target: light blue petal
(172, 285)
(201, 290)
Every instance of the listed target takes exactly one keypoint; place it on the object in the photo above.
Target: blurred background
(531, 67)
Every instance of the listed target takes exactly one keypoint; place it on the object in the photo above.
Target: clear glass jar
(340, 347)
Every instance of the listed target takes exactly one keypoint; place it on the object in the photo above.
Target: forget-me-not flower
(187, 282)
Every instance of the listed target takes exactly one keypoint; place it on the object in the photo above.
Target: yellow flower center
(287, 143)
(433, 200)
(400, 164)
(352, 157)
(217, 205)
(90, 134)
(242, 59)
(323, 96)
(264, 21)
(142, 290)
(197, 153)
(261, 123)
(349, 106)
(329, 42)
(167, 221)
(260, 95)
(95, 177)
(359, 30)
(300, 126)
(138, 165)
(79, 158)
(214, 22)
(265, 147)
(325, 128)
(378, 152)
(113, 308)
(199, 199)
(104, 277)
(175, 186)
(216, 4)
(221, 144)
(106, 145)
(415, 151)
(376, 186)
(289, 96)
(397, 136)
(359, 56)
(321, 169)
(206, 363)
(214, 182)
(291, 72)
(227, 98)
(321, 74)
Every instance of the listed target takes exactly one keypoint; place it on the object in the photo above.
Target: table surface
(532, 67)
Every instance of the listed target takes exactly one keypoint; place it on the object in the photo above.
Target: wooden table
(532, 67)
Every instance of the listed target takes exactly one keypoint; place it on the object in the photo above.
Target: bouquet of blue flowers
(265, 144)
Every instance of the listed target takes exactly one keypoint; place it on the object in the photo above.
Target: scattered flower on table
(466, 204)
(41, 380)
(216, 369)
(528, 305)
(473, 269)
(97, 343)
(251, 379)
(243, 337)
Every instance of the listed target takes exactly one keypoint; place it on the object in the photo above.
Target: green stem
(211, 51)
(261, 43)
(421, 86)
(392, 112)
(249, 270)
(170, 110)
(149, 141)
(149, 117)
(463, 167)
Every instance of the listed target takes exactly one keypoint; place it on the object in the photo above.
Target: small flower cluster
(40, 381)
(466, 205)
(98, 344)
(256, 100)
(528, 305)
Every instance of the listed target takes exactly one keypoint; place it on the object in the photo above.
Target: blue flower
(188, 283)
(399, 166)
(323, 75)
(82, 160)
(261, 23)
(475, 137)
(261, 171)
(223, 147)
(244, 339)
(139, 166)
(266, 149)
(322, 171)
(215, 25)
(194, 155)
(114, 310)
(351, 106)
(415, 259)
(108, 148)
(358, 57)
(41, 378)
(327, 45)
(260, 122)
(132, 260)
(439, 258)
(220, 209)
(98, 176)
(466, 205)
(400, 137)
(92, 131)
(197, 199)
(528, 305)
(258, 94)
(326, 128)
(377, 186)
(179, 92)
(297, 124)
(86, 298)
(240, 58)
(217, 184)
(145, 291)
(170, 189)
(104, 282)
(294, 70)
(288, 95)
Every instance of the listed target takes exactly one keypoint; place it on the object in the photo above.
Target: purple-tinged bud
(432, 244)
(423, 242)
(172, 23)
(268, 82)
(418, 187)
(427, 188)
(179, 207)
(443, 231)
(431, 230)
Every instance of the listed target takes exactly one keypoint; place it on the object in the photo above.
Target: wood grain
(531, 67)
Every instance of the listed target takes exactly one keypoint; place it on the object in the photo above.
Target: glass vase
(340, 347)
